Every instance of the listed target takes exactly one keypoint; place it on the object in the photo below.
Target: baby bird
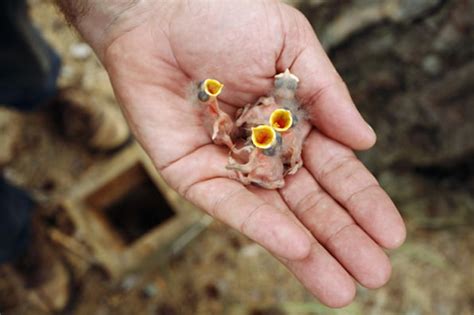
(220, 124)
(284, 93)
(281, 111)
(263, 166)
(273, 131)
(256, 114)
(285, 86)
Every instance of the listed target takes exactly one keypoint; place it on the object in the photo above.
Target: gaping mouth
(263, 136)
(212, 87)
(281, 120)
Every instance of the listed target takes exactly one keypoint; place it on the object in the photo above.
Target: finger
(324, 277)
(320, 272)
(334, 228)
(201, 178)
(274, 198)
(230, 202)
(271, 196)
(275, 230)
(321, 89)
(346, 179)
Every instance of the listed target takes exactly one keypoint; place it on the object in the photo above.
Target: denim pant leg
(28, 72)
(29, 67)
(15, 216)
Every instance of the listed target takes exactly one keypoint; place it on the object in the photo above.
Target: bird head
(266, 138)
(281, 120)
(209, 89)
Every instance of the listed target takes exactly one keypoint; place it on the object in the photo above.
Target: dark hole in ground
(62, 221)
(235, 243)
(139, 210)
(268, 311)
(166, 309)
(48, 185)
(131, 204)
(212, 292)
(221, 258)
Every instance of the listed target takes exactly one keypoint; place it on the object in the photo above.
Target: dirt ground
(222, 272)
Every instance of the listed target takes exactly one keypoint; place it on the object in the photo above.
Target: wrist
(101, 22)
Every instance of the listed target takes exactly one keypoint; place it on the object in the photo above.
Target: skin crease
(328, 225)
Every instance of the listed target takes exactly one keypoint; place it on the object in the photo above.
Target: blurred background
(409, 65)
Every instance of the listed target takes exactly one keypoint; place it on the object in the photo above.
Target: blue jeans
(15, 215)
(28, 72)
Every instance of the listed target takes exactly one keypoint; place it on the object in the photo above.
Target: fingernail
(374, 140)
(370, 127)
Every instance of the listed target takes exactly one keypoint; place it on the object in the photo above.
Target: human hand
(328, 225)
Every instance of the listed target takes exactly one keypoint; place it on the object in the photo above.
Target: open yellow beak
(263, 136)
(281, 120)
(212, 87)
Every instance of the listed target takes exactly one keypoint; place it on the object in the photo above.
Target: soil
(410, 70)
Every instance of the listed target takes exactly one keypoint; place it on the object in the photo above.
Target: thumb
(322, 91)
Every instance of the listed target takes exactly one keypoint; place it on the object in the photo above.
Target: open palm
(328, 225)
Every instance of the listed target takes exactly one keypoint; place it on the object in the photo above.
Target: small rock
(223, 286)
(67, 72)
(150, 290)
(408, 10)
(129, 282)
(80, 51)
(415, 311)
(448, 39)
(432, 64)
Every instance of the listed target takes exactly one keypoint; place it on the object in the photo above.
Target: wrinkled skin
(331, 221)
